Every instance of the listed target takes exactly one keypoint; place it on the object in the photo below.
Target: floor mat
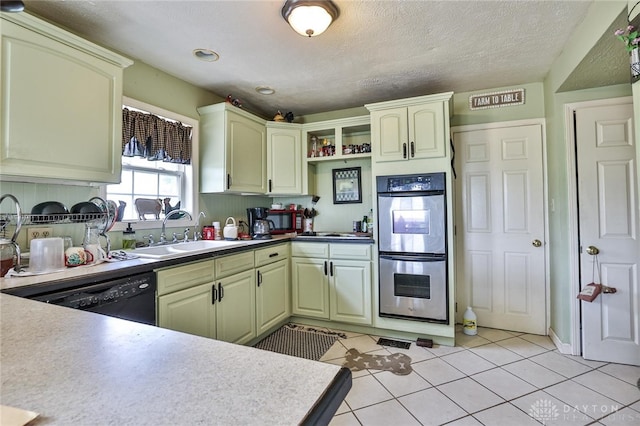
(397, 363)
(303, 342)
(393, 343)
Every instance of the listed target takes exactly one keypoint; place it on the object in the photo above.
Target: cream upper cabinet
(61, 113)
(407, 129)
(284, 161)
(233, 150)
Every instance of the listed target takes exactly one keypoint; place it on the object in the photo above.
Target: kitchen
(142, 82)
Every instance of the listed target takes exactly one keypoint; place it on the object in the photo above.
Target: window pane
(125, 185)
(169, 185)
(145, 183)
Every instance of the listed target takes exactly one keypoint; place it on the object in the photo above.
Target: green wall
(596, 23)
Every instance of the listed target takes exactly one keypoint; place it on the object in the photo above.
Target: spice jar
(7, 256)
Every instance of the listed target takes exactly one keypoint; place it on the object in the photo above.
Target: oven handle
(420, 258)
(410, 194)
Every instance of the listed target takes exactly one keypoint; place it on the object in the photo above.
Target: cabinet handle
(273, 254)
(331, 268)
(413, 150)
(325, 267)
(259, 278)
(213, 294)
(220, 292)
(404, 150)
(228, 180)
(269, 185)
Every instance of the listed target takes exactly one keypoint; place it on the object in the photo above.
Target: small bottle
(129, 238)
(469, 322)
(364, 225)
(217, 231)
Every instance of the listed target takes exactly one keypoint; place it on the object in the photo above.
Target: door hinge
(456, 307)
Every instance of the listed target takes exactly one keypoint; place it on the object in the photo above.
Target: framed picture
(347, 185)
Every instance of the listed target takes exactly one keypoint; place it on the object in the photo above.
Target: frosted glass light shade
(308, 17)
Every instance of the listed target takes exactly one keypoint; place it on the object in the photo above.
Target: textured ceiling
(376, 50)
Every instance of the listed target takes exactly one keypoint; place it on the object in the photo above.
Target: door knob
(592, 250)
(536, 243)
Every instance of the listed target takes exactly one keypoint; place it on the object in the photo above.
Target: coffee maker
(258, 224)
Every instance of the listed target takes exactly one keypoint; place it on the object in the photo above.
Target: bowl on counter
(48, 211)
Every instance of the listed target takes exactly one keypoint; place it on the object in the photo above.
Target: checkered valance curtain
(157, 139)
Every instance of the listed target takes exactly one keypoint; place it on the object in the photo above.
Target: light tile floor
(495, 378)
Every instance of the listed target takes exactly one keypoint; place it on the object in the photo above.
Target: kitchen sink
(168, 251)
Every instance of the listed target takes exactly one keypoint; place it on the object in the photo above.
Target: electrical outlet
(38, 232)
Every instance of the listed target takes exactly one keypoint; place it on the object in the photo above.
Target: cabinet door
(427, 138)
(389, 134)
(61, 115)
(284, 161)
(273, 291)
(235, 308)
(310, 287)
(190, 311)
(350, 291)
(247, 154)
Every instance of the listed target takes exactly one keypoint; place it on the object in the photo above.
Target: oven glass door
(411, 223)
(414, 287)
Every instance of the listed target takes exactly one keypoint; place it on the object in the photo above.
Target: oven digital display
(410, 285)
(411, 222)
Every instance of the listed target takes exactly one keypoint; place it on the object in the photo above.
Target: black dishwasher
(132, 297)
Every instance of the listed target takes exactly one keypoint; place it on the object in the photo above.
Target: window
(173, 183)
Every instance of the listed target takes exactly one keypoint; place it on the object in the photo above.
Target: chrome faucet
(163, 236)
(196, 233)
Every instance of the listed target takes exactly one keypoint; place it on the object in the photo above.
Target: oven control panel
(411, 183)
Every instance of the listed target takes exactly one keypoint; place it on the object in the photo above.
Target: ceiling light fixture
(206, 55)
(265, 90)
(11, 6)
(309, 17)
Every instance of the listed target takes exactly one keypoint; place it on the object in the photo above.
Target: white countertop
(81, 368)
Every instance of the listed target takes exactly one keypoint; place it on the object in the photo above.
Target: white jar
(217, 232)
(469, 322)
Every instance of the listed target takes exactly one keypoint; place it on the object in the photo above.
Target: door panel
(607, 192)
(500, 205)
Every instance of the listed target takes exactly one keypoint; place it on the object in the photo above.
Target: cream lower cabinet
(61, 114)
(332, 281)
(185, 298)
(273, 287)
(194, 299)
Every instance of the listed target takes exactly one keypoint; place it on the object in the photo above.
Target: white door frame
(518, 123)
(572, 193)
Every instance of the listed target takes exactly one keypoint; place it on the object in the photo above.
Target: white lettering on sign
(497, 99)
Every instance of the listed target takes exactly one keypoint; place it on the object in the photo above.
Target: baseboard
(563, 348)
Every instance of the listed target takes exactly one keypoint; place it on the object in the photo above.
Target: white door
(608, 221)
(500, 227)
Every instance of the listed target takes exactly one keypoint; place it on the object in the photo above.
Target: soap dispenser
(129, 238)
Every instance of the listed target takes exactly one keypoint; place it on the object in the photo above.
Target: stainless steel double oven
(412, 235)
